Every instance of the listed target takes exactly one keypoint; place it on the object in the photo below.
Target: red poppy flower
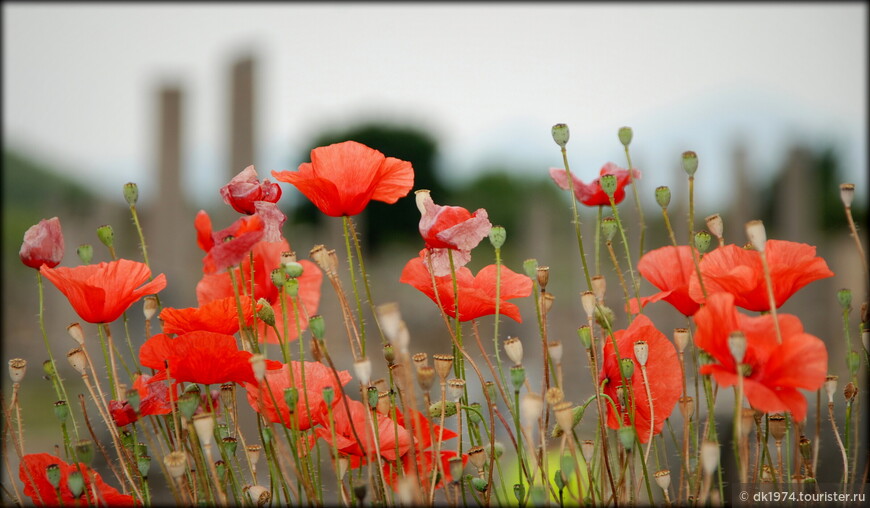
(450, 231)
(229, 246)
(43, 244)
(245, 189)
(31, 471)
(267, 257)
(153, 400)
(775, 371)
(199, 357)
(738, 271)
(317, 377)
(476, 293)
(669, 269)
(220, 316)
(391, 436)
(342, 178)
(662, 372)
(101, 293)
(592, 194)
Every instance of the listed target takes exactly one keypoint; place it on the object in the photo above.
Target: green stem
(362, 324)
(576, 216)
(637, 203)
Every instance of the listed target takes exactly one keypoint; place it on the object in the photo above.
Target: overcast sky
(79, 82)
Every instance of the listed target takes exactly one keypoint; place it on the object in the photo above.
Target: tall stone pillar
(241, 105)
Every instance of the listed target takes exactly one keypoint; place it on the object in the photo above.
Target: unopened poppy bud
(847, 193)
(585, 334)
(681, 339)
(176, 464)
(149, 306)
(663, 478)
(555, 350)
(776, 425)
(554, 395)
(690, 162)
(106, 235)
(363, 370)
(609, 227)
(641, 352)
(75, 483)
(564, 412)
(844, 296)
(497, 236)
(293, 269)
(626, 366)
(61, 411)
(265, 312)
(287, 257)
(317, 326)
(442, 363)
(543, 276)
(389, 354)
(518, 376)
(756, 234)
(131, 193)
(737, 346)
(455, 389)
(477, 456)
(831, 387)
(420, 360)
(52, 474)
(850, 391)
(625, 134)
(709, 456)
(77, 333)
(561, 134)
(321, 256)
(587, 300)
(715, 225)
(687, 407)
(605, 317)
(203, 424)
(530, 266)
(702, 241)
(626, 437)
(608, 184)
(76, 357)
(425, 377)
(258, 365)
(437, 408)
(328, 394)
(531, 405)
(514, 349)
(17, 368)
(84, 450)
(85, 252)
(663, 196)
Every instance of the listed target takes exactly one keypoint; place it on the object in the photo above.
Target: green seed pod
(518, 375)
(221, 470)
(85, 451)
(626, 437)
(479, 484)
(436, 408)
(474, 414)
(292, 288)
(585, 334)
(48, 368)
(52, 473)
(609, 227)
(188, 403)
(566, 462)
(293, 269)
(690, 162)
(519, 492)
(230, 445)
(844, 296)
(222, 431)
(663, 196)
(143, 462)
(128, 440)
(608, 184)
(557, 479)
(106, 235)
(317, 326)
(76, 483)
(537, 495)
(702, 241)
(131, 193)
(626, 365)
(625, 134)
(372, 393)
(328, 394)
(279, 278)
(530, 266)
(291, 397)
(497, 236)
(61, 410)
(561, 134)
(85, 252)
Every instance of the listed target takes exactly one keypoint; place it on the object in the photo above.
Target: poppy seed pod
(831, 387)
(737, 346)
(844, 297)
(585, 334)
(715, 225)
(78, 360)
(420, 360)
(702, 241)
(608, 184)
(455, 389)
(850, 392)
(293, 269)
(52, 474)
(131, 193)
(320, 255)
(554, 395)
(587, 447)
(176, 464)
(253, 452)
(663, 196)
(363, 370)
(425, 377)
(258, 494)
(317, 325)
(681, 339)
(287, 257)
(641, 352)
(531, 405)
(587, 299)
(625, 134)
(709, 456)
(61, 410)
(17, 368)
(443, 363)
(777, 426)
(690, 162)
(497, 236)
(203, 424)
(663, 478)
(106, 235)
(547, 300)
(599, 287)
(384, 403)
(561, 134)
(555, 350)
(518, 376)
(85, 252)
(77, 333)
(477, 456)
(626, 366)
(564, 412)
(757, 235)
(389, 318)
(543, 276)
(149, 306)
(687, 407)
(847, 193)
(626, 437)
(530, 267)
(75, 482)
(514, 349)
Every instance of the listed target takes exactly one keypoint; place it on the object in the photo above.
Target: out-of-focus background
(179, 98)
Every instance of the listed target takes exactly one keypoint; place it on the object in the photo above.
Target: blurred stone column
(241, 115)
(744, 205)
